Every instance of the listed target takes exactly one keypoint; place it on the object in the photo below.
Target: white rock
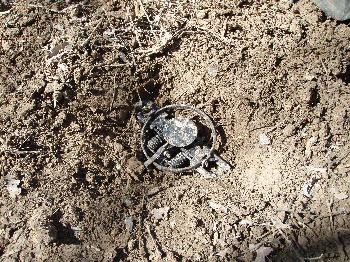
(310, 142)
(309, 76)
(213, 69)
(12, 186)
(160, 213)
(337, 194)
(308, 186)
(218, 207)
(264, 139)
(245, 222)
(153, 191)
(6, 45)
(262, 253)
(201, 14)
(129, 223)
(172, 224)
(223, 252)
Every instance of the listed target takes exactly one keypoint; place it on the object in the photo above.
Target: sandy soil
(275, 78)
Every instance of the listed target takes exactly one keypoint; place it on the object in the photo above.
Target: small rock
(127, 202)
(264, 139)
(246, 222)
(202, 14)
(78, 11)
(52, 86)
(262, 253)
(45, 234)
(295, 26)
(337, 194)
(12, 186)
(57, 49)
(122, 57)
(223, 253)
(213, 69)
(117, 166)
(90, 177)
(172, 224)
(129, 223)
(308, 186)
(42, 230)
(118, 147)
(135, 167)
(131, 244)
(196, 257)
(312, 141)
(160, 213)
(6, 45)
(153, 191)
(218, 207)
(61, 118)
(309, 77)
(25, 108)
(215, 238)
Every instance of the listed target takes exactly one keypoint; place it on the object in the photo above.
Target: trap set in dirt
(180, 138)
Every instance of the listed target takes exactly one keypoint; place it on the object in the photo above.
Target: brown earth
(274, 76)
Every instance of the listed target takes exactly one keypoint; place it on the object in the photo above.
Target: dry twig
(114, 92)
(93, 31)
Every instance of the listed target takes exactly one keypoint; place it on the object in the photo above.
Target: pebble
(202, 14)
(160, 213)
(337, 194)
(264, 139)
(129, 223)
(218, 207)
(213, 69)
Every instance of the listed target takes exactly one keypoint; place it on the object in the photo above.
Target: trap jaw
(179, 138)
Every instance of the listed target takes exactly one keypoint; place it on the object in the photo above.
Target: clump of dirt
(274, 76)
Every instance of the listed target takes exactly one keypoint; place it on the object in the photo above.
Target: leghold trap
(179, 138)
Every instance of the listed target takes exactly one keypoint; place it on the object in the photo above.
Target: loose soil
(273, 75)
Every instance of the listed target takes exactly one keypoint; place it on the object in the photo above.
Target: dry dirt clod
(308, 187)
(338, 194)
(264, 139)
(213, 69)
(262, 252)
(160, 213)
(90, 177)
(129, 223)
(135, 168)
(42, 230)
(309, 144)
(153, 191)
(218, 207)
(12, 186)
(202, 14)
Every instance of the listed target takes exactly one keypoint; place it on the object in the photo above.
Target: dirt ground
(273, 75)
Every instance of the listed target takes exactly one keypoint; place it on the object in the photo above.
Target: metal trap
(180, 138)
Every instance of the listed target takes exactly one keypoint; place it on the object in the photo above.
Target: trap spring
(179, 138)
